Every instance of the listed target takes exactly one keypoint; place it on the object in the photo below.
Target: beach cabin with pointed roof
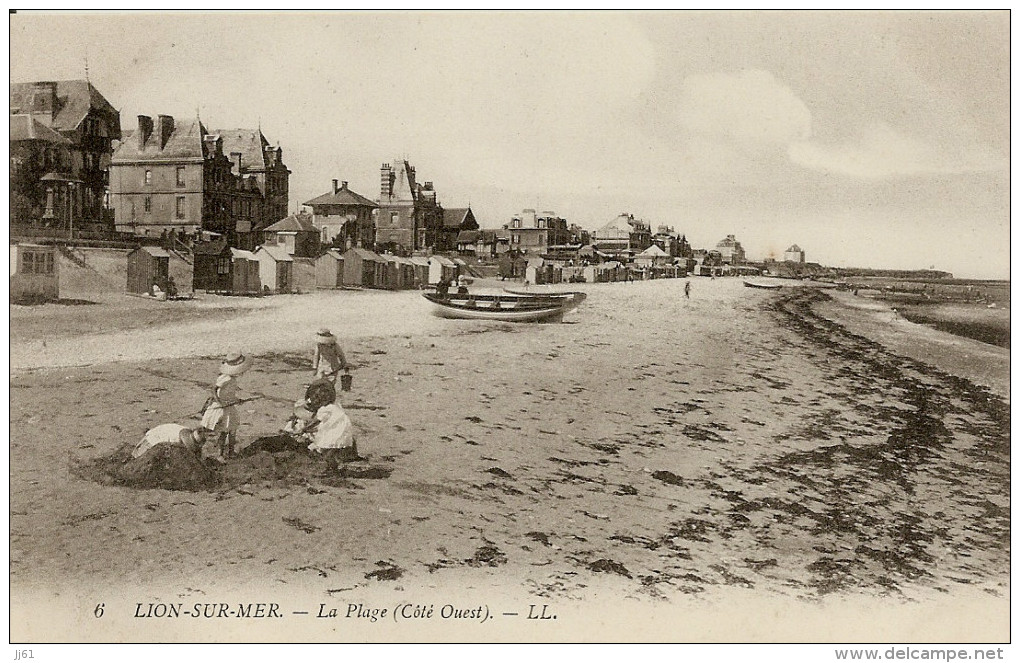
(441, 267)
(276, 269)
(329, 269)
(421, 271)
(363, 268)
(213, 266)
(244, 273)
(295, 234)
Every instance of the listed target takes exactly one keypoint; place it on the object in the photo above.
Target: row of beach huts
(218, 268)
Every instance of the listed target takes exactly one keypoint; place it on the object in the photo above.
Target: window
(515, 223)
(180, 207)
(541, 223)
(515, 238)
(394, 218)
(180, 175)
(148, 177)
(222, 266)
(148, 203)
(37, 262)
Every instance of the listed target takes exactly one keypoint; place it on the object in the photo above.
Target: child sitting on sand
(320, 419)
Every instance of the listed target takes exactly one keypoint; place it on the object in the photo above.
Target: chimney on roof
(144, 130)
(386, 177)
(235, 158)
(335, 187)
(343, 185)
(164, 127)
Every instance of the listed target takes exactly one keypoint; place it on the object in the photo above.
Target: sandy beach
(785, 452)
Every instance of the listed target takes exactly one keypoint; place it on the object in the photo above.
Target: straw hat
(325, 336)
(236, 363)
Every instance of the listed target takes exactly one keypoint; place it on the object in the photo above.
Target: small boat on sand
(762, 286)
(507, 307)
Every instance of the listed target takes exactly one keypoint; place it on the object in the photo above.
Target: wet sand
(735, 449)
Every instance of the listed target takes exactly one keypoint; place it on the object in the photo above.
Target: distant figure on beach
(443, 287)
(221, 413)
(171, 288)
(687, 290)
(462, 290)
(329, 359)
(173, 434)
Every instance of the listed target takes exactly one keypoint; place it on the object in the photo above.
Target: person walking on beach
(329, 359)
(221, 415)
(687, 290)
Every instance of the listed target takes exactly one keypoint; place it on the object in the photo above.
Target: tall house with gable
(409, 217)
(61, 182)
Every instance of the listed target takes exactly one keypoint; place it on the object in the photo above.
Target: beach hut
(304, 275)
(213, 265)
(244, 269)
(276, 269)
(362, 267)
(329, 269)
(35, 275)
(441, 268)
(147, 265)
(405, 273)
(421, 271)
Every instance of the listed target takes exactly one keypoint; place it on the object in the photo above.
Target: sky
(876, 139)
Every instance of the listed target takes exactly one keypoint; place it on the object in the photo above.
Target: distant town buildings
(730, 250)
(624, 234)
(533, 233)
(455, 221)
(167, 177)
(409, 217)
(345, 214)
(61, 138)
(794, 254)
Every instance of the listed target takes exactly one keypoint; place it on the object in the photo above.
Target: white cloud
(749, 107)
(882, 152)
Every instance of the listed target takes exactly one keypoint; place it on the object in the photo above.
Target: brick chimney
(335, 187)
(343, 185)
(164, 128)
(235, 158)
(144, 130)
(385, 181)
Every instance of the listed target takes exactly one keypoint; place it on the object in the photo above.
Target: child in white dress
(221, 415)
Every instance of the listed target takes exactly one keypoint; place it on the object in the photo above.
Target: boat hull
(505, 308)
(762, 286)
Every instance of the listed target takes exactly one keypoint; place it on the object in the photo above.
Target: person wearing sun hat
(329, 359)
(221, 415)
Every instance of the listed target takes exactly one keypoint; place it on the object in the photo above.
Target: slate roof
(342, 197)
(213, 248)
(251, 143)
(453, 217)
(274, 252)
(186, 141)
(365, 254)
(74, 101)
(25, 127)
(293, 223)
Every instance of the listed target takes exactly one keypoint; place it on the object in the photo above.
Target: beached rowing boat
(763, 286)
(505, 307)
